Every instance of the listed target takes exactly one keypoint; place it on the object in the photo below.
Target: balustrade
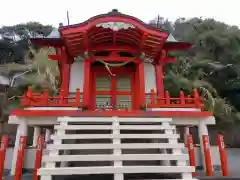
(30, 99)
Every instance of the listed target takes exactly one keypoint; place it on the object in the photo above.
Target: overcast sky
(54, 11)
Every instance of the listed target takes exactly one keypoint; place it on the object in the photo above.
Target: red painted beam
(55, 57)
(141, 84)
(159, 80)
(223, 155)
(3, 150)
(85, 41)
(168, 60)
(86, 85)
(207, 155)
(191, 153)
(20, 112)
(114, 59)
(144, 37)
(38, 159)
(92, 23)
(125, 48)
(20, 158)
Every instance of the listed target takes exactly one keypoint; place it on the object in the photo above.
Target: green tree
(14, 45)
(211, 65)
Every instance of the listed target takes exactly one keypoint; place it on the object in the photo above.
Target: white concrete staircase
(118, 146)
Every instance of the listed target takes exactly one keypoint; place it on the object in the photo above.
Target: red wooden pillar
(223, 155)
(134, 92)
(65, 77)
(38, 160)
(191, 153)
(159, 81)
(207, 155)
(20, 158)
(86, 86)
(135, 89)
(4, 145)
(65, 69)
(141, 85)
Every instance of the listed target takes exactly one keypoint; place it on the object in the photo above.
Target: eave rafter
(86, 41)
(113, 31)
(144, 37)
(114, 38)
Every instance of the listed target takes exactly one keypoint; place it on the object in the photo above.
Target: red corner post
(141, 81)
(86, 85)
(191, 153)
(223, 155)
(4, 145)
(20, 158)
(38, 159)
(207, 155)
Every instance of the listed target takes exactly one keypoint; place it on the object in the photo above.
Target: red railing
(183, 101)
(31, 99)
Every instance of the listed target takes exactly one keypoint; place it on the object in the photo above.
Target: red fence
(40, 147)
(207, 155)
(31, 99)
(183, 101)
(4, 145)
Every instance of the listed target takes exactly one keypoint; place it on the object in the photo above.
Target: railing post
(38, 160)
(61, 97)
(45, 97)
(189, 99)
(29, 96)
(20, 158)
(167, 98)
(77, 97)
(152, 99)
(196, 98)
(207, 155)
(223, 155)
(4, 145)
(191, 153)
(182, 98)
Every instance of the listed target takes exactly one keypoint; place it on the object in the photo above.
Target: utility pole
(158, 21)
(68, 18)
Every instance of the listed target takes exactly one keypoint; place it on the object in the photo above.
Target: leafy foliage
(14, 46)
(211, 65)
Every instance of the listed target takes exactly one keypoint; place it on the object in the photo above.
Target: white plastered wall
(76, 76)
(149, 77)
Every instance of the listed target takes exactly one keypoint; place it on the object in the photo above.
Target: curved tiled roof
(54, 38)
(114, 13)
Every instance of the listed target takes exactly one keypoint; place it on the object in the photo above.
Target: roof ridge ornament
(114, 12)
(115, 26)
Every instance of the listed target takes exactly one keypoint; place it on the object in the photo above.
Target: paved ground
(29, 176)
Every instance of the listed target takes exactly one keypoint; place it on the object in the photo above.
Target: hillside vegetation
(212, 65)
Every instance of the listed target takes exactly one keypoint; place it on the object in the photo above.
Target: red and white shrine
(111, 69)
